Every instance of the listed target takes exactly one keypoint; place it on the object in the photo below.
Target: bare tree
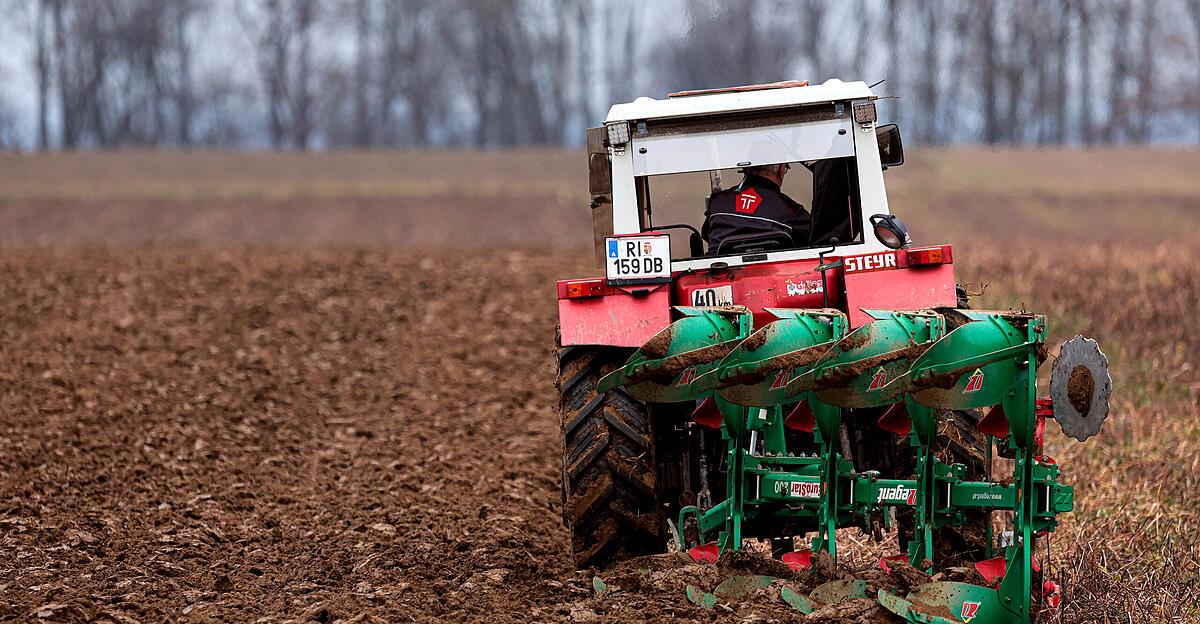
(1148, 25)
(42, 62)
(584, 12)
(304, 15)
(419, 42)
(362, 72)
(812, 22)
(929, 83)
(1086, 123)
(269, 27)
(991, 116)
(111, 73)
(1193, 7)
(729, 44)
(1117, 122)
(1062, 64)
(9, 136)
(182, 12)
(282, 31)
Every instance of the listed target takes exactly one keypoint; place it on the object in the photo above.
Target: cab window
(826, 189)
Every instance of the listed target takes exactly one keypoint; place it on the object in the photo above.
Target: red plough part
(705, 553)
(799, 560)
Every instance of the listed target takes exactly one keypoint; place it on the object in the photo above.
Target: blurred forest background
(309, 74)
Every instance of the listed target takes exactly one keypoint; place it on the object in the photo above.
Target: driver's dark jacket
(752, 207)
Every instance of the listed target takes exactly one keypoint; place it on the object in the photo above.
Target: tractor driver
(756, 206)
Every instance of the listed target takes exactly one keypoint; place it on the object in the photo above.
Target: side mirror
(599, 165)
(891, 150)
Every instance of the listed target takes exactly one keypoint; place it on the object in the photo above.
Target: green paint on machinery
(803, 370)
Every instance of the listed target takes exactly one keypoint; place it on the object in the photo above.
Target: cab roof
(753, 97)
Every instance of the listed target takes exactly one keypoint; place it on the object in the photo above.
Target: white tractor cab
(654, 162)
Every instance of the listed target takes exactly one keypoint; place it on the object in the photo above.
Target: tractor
(781, 388)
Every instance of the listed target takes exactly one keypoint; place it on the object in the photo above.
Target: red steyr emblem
(687, 376)
(781, 380)
(969, 611)
(878, 380)
(974, 382)
(747, 201)
(912, 498)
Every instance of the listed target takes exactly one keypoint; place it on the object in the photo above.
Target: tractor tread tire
(609, 488)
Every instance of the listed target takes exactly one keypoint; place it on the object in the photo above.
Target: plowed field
(324, 404)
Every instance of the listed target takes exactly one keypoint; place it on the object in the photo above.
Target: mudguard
(619, 317)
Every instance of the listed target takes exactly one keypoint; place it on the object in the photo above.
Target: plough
(802, 370)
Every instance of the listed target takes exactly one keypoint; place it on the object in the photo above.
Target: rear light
(864, 113)
(618, 133)
(925, 256)
(582, 289)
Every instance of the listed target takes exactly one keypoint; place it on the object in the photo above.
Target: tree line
(305, 74)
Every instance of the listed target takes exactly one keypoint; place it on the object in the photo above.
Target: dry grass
(1131, 550)
(1105, 243)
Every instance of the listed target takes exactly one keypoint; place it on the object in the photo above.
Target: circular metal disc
(1080, 388)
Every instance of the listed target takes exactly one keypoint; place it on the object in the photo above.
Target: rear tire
(609, 488)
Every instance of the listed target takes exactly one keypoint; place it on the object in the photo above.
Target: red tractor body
(591, 312)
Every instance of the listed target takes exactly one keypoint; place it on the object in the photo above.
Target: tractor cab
(654, 163)
(657, 169)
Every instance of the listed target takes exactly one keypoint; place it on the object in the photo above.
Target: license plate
(639, 259)
(712, 297)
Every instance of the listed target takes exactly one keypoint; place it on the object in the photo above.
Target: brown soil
(754, 341)
(542, 220)
(660, 345)
(323, 434)
(839, 376)
(854, 611)
(1080, 387)
(208, 435)
(313, 435)
(800, 357)
(676, 364)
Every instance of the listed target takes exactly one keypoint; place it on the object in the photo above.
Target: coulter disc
(1080, 388)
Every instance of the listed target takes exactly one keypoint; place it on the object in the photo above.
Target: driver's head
(773, 173)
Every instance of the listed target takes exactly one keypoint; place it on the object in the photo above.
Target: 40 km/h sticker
(712, 297)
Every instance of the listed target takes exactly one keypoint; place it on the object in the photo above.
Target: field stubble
(242, 407)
